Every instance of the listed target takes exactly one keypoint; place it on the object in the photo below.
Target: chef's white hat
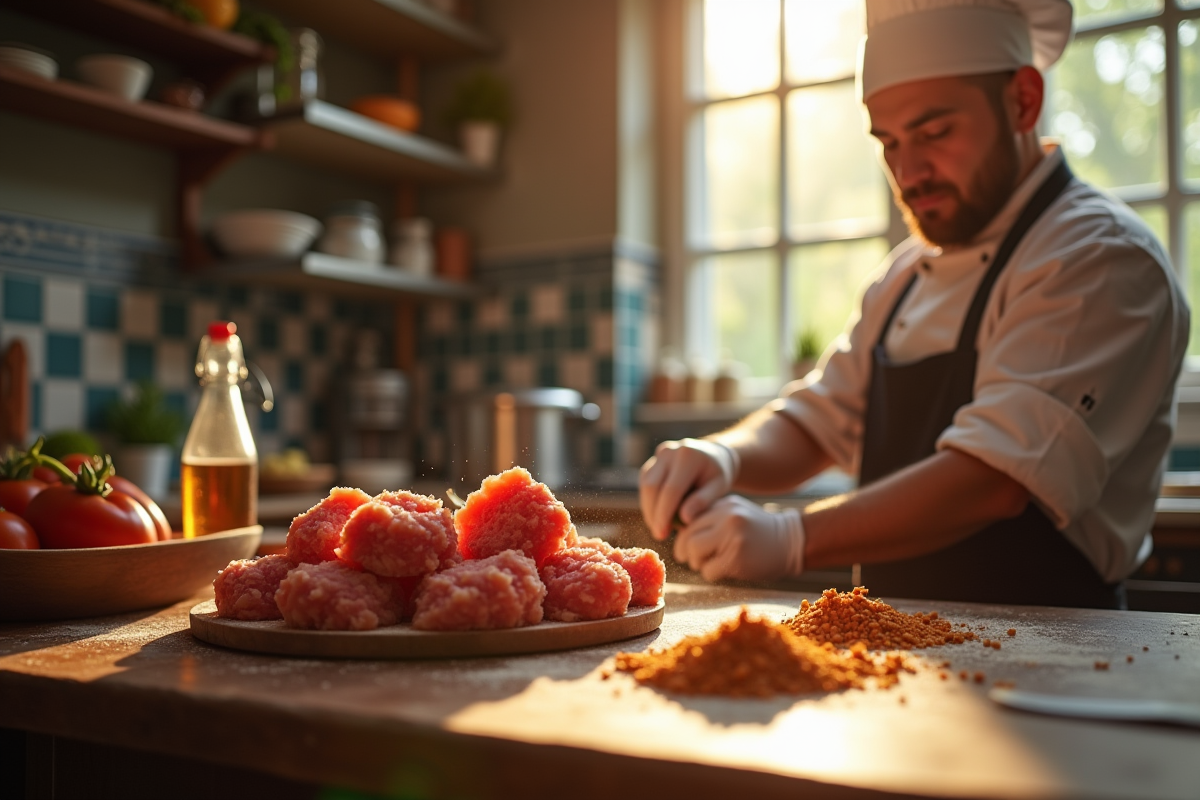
(910, 40)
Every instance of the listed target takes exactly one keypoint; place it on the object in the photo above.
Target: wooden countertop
(549, 726)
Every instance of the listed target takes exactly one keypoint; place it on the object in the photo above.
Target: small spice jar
(412, 246)
(353, 230)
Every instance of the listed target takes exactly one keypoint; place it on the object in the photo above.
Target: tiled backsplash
(581, 320)
(100, 310)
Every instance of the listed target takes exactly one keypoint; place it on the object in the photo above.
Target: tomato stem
(91, 479)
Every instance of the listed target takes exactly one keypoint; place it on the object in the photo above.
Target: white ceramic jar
(353, 230)
(412, 246)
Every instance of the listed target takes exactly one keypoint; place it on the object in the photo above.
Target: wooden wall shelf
(205, 53)
(389, 28)
(336, 138)
(318, 271)
(93, 109)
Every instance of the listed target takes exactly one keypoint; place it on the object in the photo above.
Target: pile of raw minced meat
(509, 557)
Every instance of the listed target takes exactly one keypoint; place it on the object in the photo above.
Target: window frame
(690, 327)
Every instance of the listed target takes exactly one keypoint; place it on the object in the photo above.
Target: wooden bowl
(94, 581)
(319, 478)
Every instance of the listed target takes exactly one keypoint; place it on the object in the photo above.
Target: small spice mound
(843, 618)
(750, 657)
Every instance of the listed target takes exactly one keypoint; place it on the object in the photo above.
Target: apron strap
(887, 323)
(1046, 194)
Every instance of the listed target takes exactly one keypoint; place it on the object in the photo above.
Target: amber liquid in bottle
(218, 495)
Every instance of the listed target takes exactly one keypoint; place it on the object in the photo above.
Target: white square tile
(103, 357)
(63, 305)
(62, 404)
(35, 345)
(548, 304)
(602, 334)
(202, 313)
(519, 372)
(293, 337)
(174, 366)
(439, 317)
(493, 313)
(139, 314)
(465, 376)
(339, 341)
(578, 371)
(293, 415)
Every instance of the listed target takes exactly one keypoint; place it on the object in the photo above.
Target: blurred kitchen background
(677, 219)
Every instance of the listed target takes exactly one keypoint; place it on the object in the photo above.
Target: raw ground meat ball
(581, 583)
(399, 534)
(315, 534)
(646, 571)
(246, 589)
(331, 596)
(502, 591)
(512, 511)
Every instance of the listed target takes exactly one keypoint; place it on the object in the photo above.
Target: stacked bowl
(28, 58)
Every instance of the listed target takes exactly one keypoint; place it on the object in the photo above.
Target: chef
(1005, 394)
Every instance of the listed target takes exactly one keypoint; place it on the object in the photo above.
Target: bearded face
(951, 155)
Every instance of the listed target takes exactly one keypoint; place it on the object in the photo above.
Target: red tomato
(160, 519)
(16, 494)
(46, 475)
(15, 533)
(63, 517)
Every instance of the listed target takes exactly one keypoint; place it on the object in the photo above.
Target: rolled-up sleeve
(1073, 361)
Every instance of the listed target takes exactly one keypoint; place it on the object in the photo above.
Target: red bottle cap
(221, 331)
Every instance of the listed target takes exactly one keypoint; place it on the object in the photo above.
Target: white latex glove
(699, 470)
(740, 539)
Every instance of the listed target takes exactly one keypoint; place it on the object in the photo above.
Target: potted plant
(808, 350)
(147, 431)
(480, 109)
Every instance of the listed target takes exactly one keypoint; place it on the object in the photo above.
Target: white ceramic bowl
(121, 75)
(23, 58)
(265, 233)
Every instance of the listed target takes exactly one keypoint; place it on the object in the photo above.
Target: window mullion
(1173, 97)
(783, 280)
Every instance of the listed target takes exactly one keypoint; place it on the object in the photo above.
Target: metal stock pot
(532, 428)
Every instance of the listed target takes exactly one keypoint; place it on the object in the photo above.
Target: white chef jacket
(1079, 350)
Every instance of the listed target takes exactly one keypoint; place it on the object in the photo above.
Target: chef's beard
(991, 187)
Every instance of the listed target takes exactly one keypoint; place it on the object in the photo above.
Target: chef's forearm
(775, 453)
(925, 507)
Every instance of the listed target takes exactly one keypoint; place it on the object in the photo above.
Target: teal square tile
(103, 310)
(1184, 459)
(604, 373)
(97, 400)
(177, 402)
(606, 299)
(290, 302)
(493, 375)
(139, 361)
(318, 339)
(173, 319)
(630, 335)
(577, 336)
(547, 373)
(22, 299)
(492, 343)
(238, 297)
(548, 339)
(439, 346)
(520, 306)
(64, 355)
(441, 380)
(318, 416)
(577, 299)
(344, 309)
(268, 334)
(520, 341)
(465, 313)
(268, 421)
(605, 450)
(293, 378)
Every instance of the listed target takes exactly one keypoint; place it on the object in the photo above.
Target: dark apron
(1023, 560)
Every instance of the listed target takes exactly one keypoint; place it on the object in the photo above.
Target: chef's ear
(1023, 99)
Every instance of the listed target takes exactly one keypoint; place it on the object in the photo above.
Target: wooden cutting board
(405, 642)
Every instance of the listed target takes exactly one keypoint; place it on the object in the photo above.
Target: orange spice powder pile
(751, 657)
(846, 618)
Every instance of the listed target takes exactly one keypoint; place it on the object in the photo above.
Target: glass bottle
(219, 474)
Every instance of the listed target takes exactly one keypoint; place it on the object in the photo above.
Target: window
(788, 208)
(1125, 101)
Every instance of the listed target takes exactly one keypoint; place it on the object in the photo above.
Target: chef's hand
(740, 539)
(698, 469)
